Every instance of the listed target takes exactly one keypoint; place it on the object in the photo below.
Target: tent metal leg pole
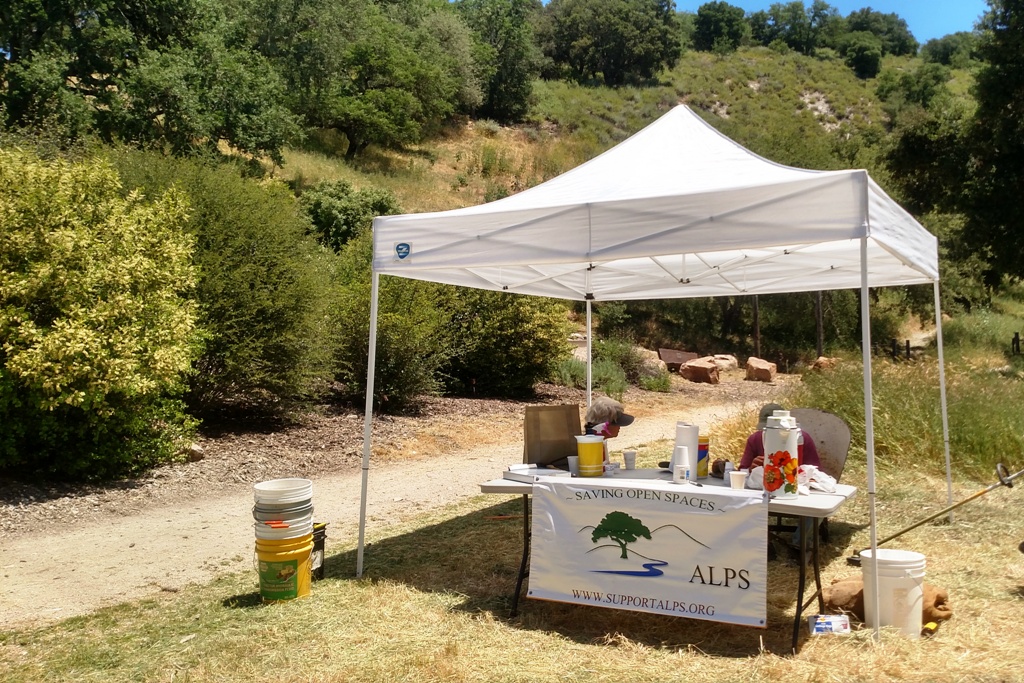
(869, 418)
(371, 364)
(808, 526)
(942, 400)
(590, 356)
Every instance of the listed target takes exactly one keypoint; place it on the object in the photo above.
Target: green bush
(494, 192)
(623, 353)
(608, 370)
(986, 328)
(264, 284)
(656, 380)
(571, 372)
(339, 212)
(412, 332)
(96, 328)
(608, 377)
(863, 53)
(503, 343)
(488, 127)
(37, 97)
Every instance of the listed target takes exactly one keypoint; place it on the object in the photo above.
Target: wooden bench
(674, 358)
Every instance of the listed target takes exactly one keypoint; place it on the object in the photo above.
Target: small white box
(820, 624)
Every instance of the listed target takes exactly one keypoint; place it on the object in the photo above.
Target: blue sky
(927, 19)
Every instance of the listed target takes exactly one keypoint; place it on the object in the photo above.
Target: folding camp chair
(832, 437)
(548, 434)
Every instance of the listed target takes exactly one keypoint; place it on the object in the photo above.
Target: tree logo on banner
(624, 529)
(621, 528)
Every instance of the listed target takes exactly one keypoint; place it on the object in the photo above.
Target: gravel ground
(187, 522)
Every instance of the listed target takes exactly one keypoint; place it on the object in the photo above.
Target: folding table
(814, 507)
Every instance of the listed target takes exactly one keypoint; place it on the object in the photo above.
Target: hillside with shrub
(189, 190)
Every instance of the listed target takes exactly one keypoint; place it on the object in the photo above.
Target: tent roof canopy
(677, 210)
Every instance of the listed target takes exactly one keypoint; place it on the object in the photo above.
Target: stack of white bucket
(284, 537)
(900, 589)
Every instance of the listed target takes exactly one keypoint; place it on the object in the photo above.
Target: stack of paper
(527, 473)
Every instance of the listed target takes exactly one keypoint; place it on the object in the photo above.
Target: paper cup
(574, 465)
(629, 458)
(737, 479)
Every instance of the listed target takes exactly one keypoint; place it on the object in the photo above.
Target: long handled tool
(1005, 479)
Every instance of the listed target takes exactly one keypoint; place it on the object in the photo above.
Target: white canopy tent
(677, 210)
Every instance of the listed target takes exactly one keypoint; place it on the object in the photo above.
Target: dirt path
(56, 573)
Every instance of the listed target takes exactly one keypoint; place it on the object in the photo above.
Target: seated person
(753, 452)
(604, 417)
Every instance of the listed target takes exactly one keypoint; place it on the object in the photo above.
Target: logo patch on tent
(402, 251)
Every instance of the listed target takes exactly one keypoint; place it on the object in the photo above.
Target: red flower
(773, 478)
(780, 458)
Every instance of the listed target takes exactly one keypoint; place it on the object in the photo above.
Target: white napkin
(810, 477)
(755, 480)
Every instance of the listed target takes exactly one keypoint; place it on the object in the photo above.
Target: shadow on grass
(476, 556)
(839, 534)
(245, 601)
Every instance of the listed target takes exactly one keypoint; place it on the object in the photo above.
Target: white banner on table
(651, 546)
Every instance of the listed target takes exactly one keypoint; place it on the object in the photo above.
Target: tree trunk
(820, 325)
(757, 328)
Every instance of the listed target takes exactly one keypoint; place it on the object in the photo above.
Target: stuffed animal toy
(936, 604)
(718, 468)
(847, 596)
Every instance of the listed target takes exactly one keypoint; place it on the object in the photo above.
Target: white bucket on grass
(900, 589)
(283, 491)
(284, 530)
(282, 513)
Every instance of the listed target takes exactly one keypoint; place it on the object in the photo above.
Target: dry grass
(473, 164)
(433, 607)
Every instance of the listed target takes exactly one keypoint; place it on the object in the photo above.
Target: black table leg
(817, 568)
(526, 555)
(803, 580)
(800, 605)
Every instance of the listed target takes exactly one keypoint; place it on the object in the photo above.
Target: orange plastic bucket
(283, 567)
